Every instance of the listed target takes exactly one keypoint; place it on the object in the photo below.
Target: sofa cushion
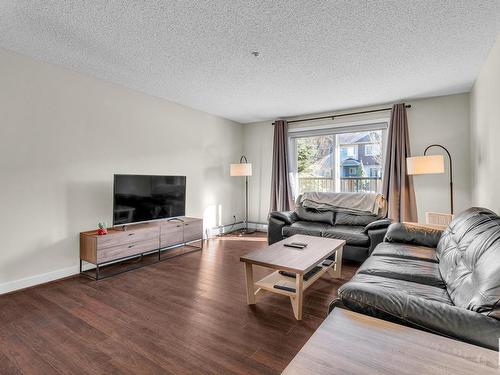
(413, 234)
(406, 251)
(307, 228)
(469, 256)
(363, 287)
(309, 214)
(344, 218)
(417, 271)
(353, 235)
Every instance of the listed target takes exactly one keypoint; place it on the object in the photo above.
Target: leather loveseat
(361, 232)
(443, 282)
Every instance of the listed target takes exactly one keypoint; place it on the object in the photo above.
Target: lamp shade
(241, 169)
(429, 164)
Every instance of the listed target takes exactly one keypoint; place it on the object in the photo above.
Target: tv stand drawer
(193, 230)
(178, 231)
(125, 250)
(172, 238)
(168, 227)
(128, 235)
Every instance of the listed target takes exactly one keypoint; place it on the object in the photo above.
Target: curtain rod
(332, 117)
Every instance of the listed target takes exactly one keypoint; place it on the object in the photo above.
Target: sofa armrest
(376, 237)
(278, 220)
(377, 224)
(288, 217)
(413, 234)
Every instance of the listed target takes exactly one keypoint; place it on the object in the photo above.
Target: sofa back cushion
(309, 214)
(345, 218)
(469, 261)
(336, 217)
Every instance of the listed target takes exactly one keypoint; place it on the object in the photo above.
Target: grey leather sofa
(361, 232)
(443, 282)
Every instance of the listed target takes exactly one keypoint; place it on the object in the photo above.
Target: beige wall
(62, 137)
(485, 125)
(443, 120)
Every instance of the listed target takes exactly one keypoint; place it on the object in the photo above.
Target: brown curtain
(397, 186)
(281, 193)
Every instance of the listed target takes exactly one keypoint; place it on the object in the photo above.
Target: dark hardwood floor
(184, 315)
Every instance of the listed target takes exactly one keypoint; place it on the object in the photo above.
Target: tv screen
(143, 198)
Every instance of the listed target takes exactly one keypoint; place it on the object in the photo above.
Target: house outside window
(345, 159)
(353, 171)
(349, 152)
(376, 172)
(372, 149)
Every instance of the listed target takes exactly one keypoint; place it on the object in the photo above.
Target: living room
(317, 187)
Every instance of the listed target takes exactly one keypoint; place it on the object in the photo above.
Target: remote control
(287, 274)
(312, 272)
(299, 244)
(294, 246)
(287, 288)
(307, 276)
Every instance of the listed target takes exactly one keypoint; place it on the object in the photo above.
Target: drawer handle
(129, 246)
(186, 224)
(131, 234)
(178, 226)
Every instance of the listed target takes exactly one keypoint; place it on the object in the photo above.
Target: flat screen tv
(139, 198)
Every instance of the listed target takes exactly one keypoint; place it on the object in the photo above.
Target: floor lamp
(243, 169)
(431, 164)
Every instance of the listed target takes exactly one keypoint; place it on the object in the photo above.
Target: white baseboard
(258, 226)
(213, 232)
(231, 228)
(26, 282)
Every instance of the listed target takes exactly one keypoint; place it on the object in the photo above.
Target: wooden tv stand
(137, 240)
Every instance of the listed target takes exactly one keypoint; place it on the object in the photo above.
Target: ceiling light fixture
(256, 53)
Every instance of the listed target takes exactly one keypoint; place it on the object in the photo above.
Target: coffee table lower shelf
(275, 278)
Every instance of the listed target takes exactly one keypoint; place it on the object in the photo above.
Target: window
(346, 159)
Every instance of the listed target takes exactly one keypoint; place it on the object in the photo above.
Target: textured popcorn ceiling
(315, 56)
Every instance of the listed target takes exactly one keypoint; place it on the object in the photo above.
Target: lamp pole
(243, 159)
(451, 171)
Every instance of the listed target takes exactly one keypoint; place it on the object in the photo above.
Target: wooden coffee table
(297, 261)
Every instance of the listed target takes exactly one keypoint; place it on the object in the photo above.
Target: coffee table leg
(299, 297)
(338, 265)
(250, 284)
